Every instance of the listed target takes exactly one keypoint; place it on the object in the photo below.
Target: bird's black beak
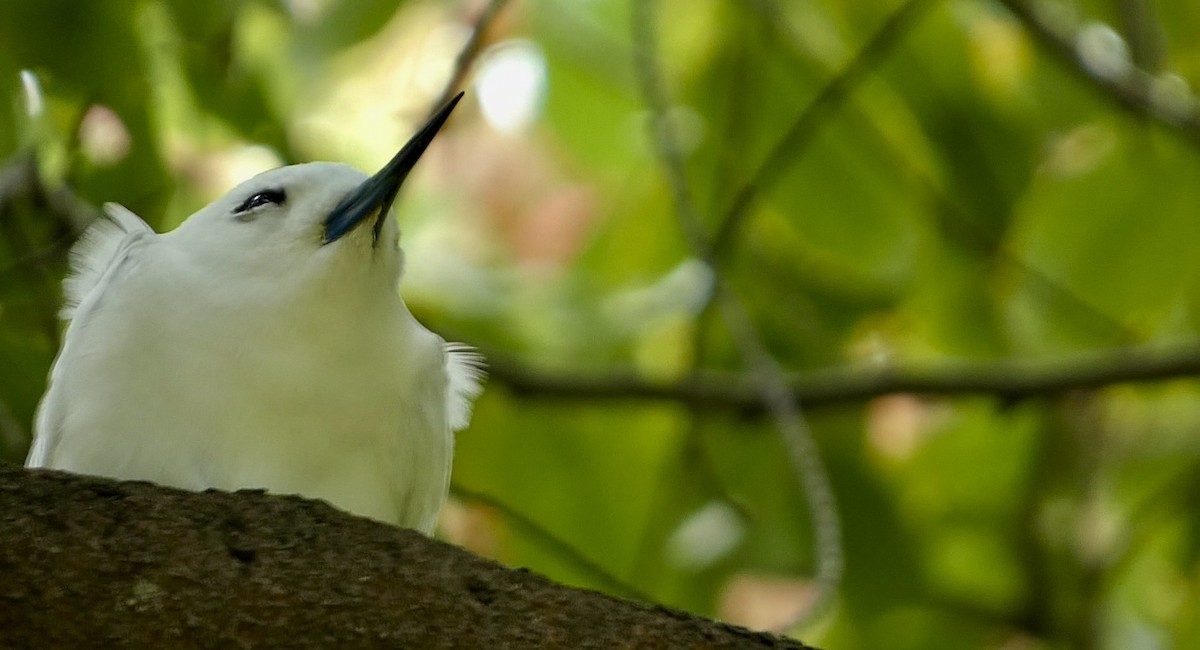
(375, 195)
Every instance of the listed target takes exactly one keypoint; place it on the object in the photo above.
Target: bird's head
(323, 219)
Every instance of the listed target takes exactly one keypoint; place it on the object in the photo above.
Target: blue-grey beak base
(376, 194)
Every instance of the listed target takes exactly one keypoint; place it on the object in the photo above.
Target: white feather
(95, 252)
(465, 373)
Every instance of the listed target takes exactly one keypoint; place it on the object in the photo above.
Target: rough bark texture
(87, 562)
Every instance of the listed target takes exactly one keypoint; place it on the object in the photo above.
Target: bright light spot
(510, 85)
(1172, 92)
(439, 270)
(212, 173)
(103, 136)
(705, 537)
(1080, 150)
(34, 103)
(763, 601)
(370, 99)
(682, 291)
(898, 424)
(241, 163)
(1103, 51)
(999, 53)
(471, 526)
(306, 11)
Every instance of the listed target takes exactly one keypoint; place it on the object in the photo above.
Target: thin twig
(40, 256)
(23, 196)
(773, 392)
(1133, 90)
(1144, 33)
(468, 53)
(662, 132)
(20, 181)
(692, 458)
(808, 124)
(966, 227)
(802, 450)
(1008, 380)
(554, 543)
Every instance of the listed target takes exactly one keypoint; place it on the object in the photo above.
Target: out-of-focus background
(965, 233)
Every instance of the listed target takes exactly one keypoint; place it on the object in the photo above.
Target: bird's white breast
(169, 377)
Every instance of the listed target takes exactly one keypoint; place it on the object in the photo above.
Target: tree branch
(89, 561)
(1009, 380)
(956, 221)
(470, 50)
(803, 131)
(1134, 90)
(767, 377)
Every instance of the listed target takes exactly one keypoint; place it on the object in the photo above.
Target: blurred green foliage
(974, 198)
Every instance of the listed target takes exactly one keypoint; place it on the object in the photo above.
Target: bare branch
(470, 50)
(20, 182)
(808, 124)
(1144, 32)
(773, 392)
(966, 228)
(1133, 90)
(666, 144)
(802, 451)
(1005, 379)
(24, 201)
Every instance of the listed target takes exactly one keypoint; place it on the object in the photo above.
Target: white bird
(261, 344)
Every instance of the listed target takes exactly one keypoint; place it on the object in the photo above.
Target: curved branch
(1133, 91)
(810, 122)
(773, 392)
(468, 53)
(1009, 380)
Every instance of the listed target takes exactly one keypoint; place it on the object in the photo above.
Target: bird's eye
(276, 197)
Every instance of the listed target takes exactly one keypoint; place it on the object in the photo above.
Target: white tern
(261, 344)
